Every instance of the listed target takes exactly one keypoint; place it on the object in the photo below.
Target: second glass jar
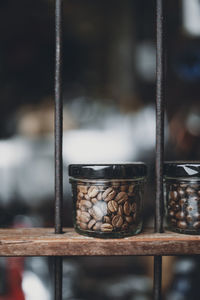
(108, 199)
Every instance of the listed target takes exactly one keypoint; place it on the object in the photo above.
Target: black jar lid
(108, 171)
(182, 169)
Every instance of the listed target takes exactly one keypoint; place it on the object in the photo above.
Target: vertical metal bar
(58, 266)
(58, 119)
(159, 141)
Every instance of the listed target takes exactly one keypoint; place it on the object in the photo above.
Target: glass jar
(107, 199)
(182, 188)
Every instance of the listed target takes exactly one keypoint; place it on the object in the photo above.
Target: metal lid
(110, 171)
(182, 168)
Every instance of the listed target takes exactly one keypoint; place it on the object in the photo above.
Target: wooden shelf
(43, 242)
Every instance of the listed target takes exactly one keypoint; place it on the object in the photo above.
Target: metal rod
(58, 270)
(58, 266)
(159, 140)
(159, 116)
(58, 119)
(157, 286)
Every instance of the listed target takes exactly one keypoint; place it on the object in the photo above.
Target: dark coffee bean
(117, 221)
(181, 192)
(180, 215)
(182, 224)
(196, 225)
(182, 201)
(171, 213)
(173, 195)
(190, 191)
(189, 218)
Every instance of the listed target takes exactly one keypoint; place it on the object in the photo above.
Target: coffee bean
(121, 197)
(112, 206)
(127, 208)
(85, 217)
(106, 219)
(190, 191)
(129, 219)
(131, 188)
(78, 213)
(83, 225)
(196, 225)
(180, 215)
(106, 227)
(171, 213)
(182, 201)
(90, 210)
(182, 224)
(173, 195)
(120, 210)
(189, 208)
(124, 188)
(97, 226)
(82, 188)
(109, 194)
(87, 197)
(183, 185)
(134, 207)
(117, 221)
(93, 191)
(99, 197)
(91, 224)
(189, 218)
(125, 226)
(86, 203)
(94, 200)
(80, 196)
(83, 208)
(181, 192)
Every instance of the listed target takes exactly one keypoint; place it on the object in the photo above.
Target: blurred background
(109, 116)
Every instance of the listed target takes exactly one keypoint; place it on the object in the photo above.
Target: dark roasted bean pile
(183, 206)
(108, 208)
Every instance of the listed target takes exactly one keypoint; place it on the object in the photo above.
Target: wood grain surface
(43, 242)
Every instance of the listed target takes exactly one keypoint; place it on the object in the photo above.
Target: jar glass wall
(107, 207)
(183, 197)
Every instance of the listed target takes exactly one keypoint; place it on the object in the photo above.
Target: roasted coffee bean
(120, 210)
(129, 219)
(90, 210)
(109, 194)
(131, 188)
(124, 188)
(106, 227)
(85, 217)
(83, 208)
(86, 203)
(173, 221)
(97, 226)
(125, 226)
(182, 224)
(94, 200)
(93, 191)
(189, 208)
(196, 216)
(112, 206)
(181, 192)
(99, 196)
(173, 195)
(180, 215)
(91, 223)
(106, 219)
(121, 197)
(117, 221)
(78, 213)
(189, 218)
(190, 191)
(127, 208)
(87, 197)
(82, 188)
(134, 207)
(182, 201)
(196, 225)
(171, 213)
(80, 196)
(83, 226)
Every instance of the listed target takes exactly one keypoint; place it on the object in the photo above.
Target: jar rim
(187, 169)
(108, 171)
